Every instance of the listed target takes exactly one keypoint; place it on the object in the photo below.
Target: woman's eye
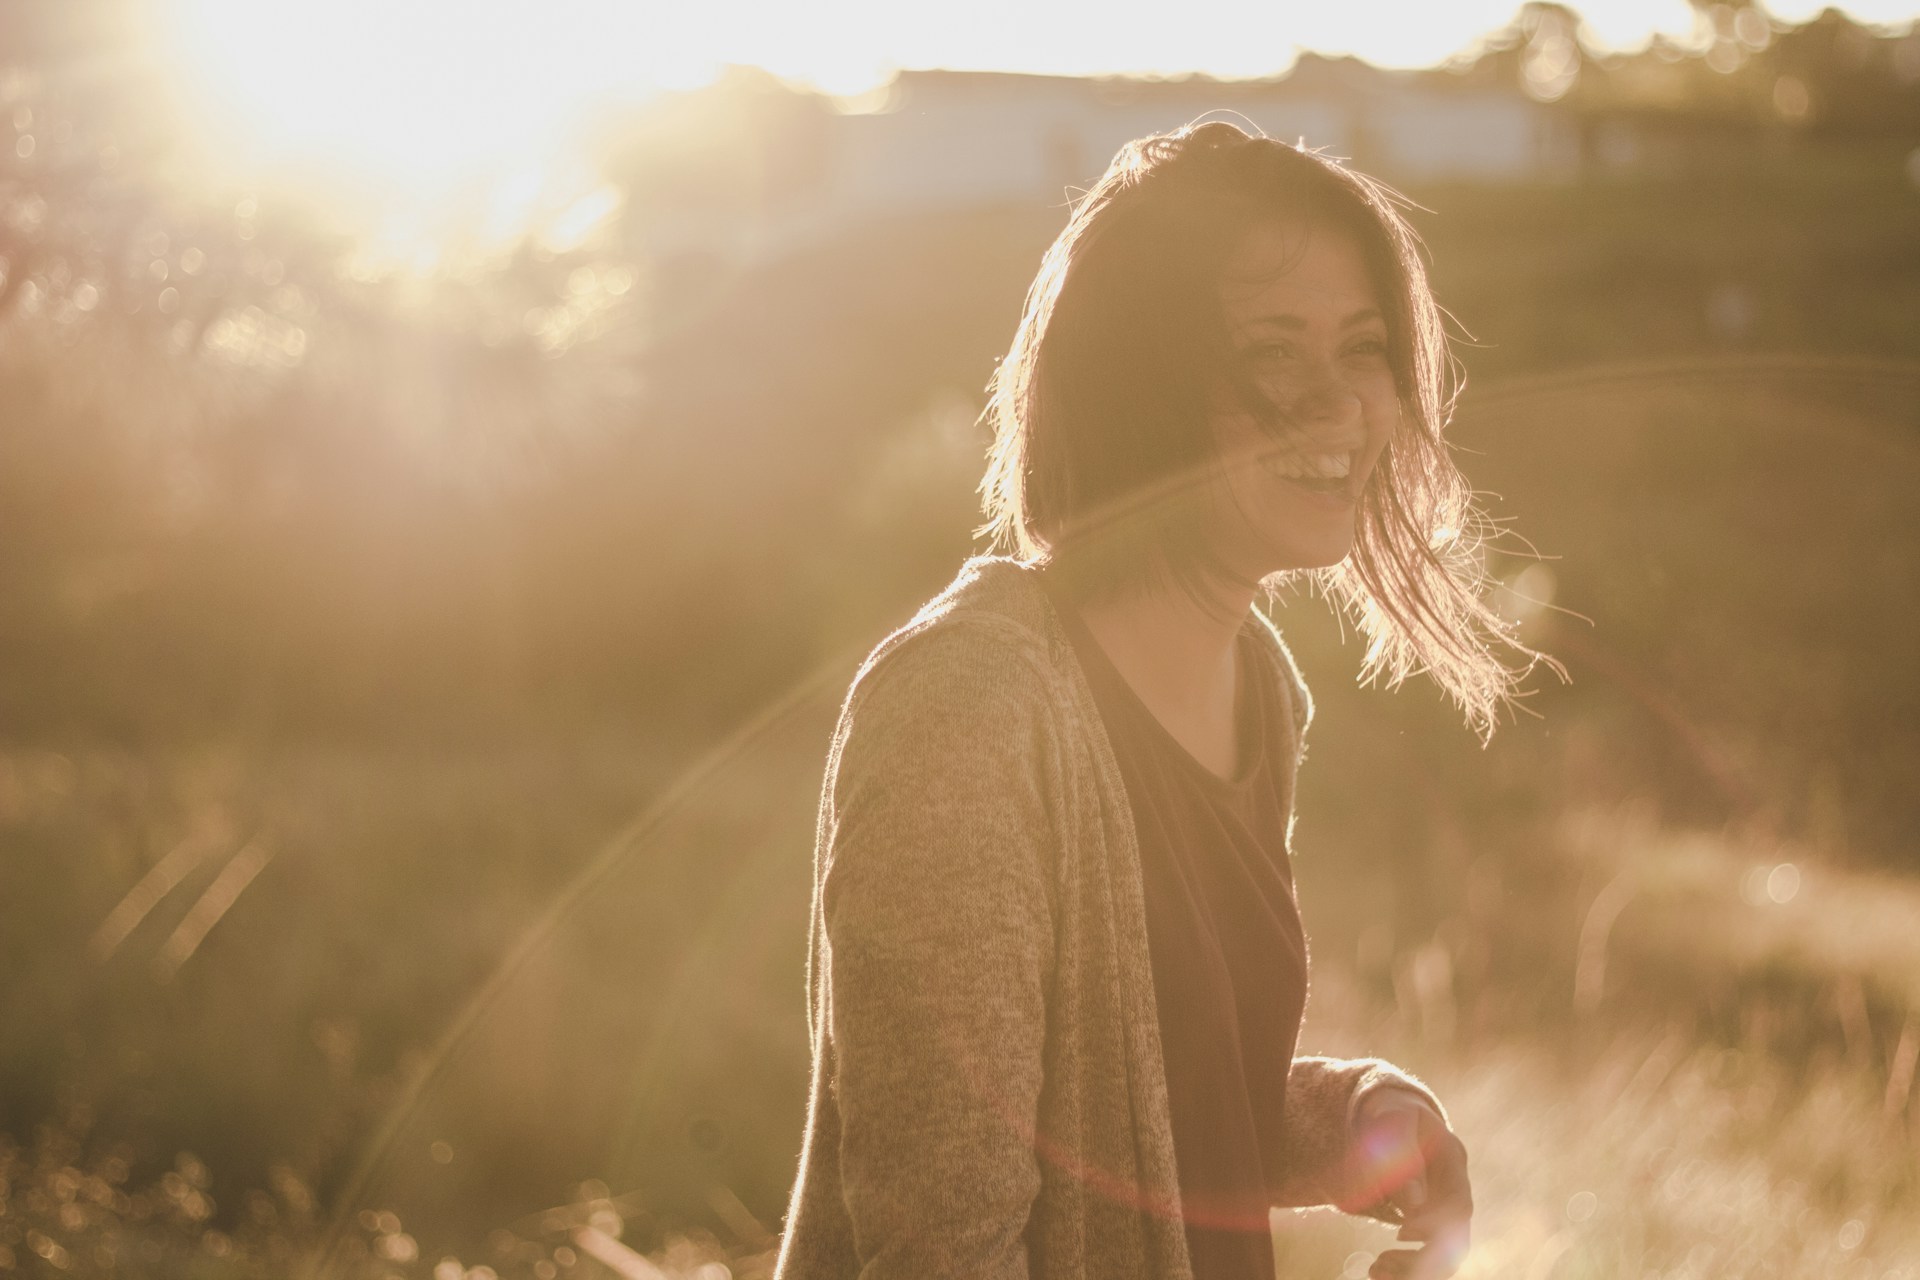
(1368, 347)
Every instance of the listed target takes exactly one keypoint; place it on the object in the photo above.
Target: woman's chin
(1301, 553)
(1290, 545)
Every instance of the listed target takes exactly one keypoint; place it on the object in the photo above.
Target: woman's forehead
(1284, 266)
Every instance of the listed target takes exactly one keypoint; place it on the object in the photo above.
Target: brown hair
(1102, 432)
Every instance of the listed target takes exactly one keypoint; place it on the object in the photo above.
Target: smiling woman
(1058, 967)
(1218, 302)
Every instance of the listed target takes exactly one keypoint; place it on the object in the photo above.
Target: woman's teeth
(1322, 467)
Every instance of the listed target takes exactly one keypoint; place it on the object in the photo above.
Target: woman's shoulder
(974, 682)
(992, 621)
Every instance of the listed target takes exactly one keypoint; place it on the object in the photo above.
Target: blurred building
(752, 167)
(800, 168)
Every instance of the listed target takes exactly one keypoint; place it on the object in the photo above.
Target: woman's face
(1308, 330)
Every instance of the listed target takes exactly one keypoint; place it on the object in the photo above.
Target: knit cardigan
(988, 1096)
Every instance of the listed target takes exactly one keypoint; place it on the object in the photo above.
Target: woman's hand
(1406, 1162)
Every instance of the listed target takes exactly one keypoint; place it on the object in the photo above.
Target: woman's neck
(1178, 656)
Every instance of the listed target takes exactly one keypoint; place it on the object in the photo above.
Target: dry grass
(1707, 1081)
(1663, 1156)
(1712, 1103)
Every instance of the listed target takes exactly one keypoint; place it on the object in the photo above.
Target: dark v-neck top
(1229, 958)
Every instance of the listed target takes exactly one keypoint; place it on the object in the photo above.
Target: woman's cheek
(1385, 411)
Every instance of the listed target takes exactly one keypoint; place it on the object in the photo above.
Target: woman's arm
(1324, 1100)
(1373, 1140)
(1409, 1167)
(938, 944)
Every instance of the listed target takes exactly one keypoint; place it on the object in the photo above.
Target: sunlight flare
(423, 94)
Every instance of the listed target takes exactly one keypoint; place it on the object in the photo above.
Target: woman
(1057, 972)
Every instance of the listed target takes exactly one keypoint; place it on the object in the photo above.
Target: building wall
(952, 141)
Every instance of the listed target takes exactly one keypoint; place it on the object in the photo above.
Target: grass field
(1731, 1096)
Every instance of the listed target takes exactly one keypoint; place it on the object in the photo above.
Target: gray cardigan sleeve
(1323, 1098)
(938, 945)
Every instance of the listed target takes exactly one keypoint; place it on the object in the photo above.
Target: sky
(849, 45)
(426, 91)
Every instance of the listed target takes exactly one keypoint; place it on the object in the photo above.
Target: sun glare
(422, 94)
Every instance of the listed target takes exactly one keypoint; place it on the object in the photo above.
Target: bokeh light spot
(1790, 98)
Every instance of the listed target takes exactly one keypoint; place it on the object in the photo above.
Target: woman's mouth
(1326, 474)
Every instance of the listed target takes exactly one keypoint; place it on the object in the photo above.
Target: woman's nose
(1324, 401)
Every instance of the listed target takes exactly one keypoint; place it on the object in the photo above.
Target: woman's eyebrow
(1294, 323)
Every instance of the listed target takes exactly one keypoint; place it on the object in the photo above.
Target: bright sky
(425, 93)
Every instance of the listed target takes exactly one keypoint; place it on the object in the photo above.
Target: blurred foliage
(1745, 72)
(377, 600)
(66, 1209)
